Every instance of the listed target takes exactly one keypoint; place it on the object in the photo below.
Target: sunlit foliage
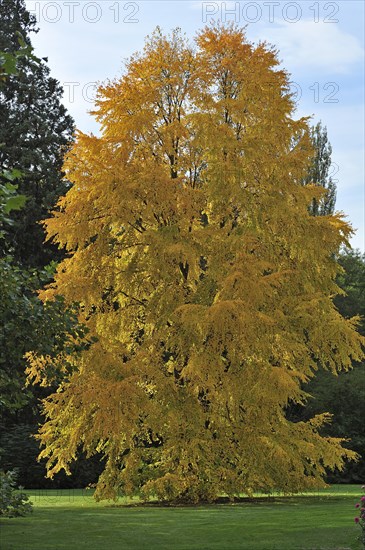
(203, 276)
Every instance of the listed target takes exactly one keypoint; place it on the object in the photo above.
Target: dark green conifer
(35, 131)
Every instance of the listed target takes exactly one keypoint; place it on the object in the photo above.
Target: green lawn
(70, 519)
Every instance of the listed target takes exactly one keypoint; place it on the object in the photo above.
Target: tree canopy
(35, 131)
(203, 276)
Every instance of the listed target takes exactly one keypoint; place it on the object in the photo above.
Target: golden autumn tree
(203, 277)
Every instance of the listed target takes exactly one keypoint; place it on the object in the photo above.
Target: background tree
(26, 323)
(197, 267)
(29, 324)
(344, 396)
(35, 130)
(352, 281)
(318, 172)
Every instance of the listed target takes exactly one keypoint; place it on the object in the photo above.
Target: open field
(71, 519)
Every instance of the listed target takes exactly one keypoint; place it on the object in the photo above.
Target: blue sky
(320, 43)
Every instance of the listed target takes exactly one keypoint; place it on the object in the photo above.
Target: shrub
(12, 502)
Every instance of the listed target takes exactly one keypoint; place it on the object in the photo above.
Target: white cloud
(315, 46)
